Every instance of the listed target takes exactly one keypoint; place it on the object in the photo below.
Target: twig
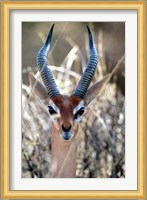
(117, 66)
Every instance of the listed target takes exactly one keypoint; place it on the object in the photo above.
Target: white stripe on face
(80, 105)
(78, 112)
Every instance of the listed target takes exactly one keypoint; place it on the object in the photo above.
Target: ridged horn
(43, 66)
(88, 74)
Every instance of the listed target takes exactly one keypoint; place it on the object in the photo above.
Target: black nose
(66, 129)
(66, 136)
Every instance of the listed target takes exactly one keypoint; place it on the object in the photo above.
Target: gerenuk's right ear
(37, 87)
(95, 90)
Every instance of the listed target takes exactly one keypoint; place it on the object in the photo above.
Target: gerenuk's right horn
(43, 66)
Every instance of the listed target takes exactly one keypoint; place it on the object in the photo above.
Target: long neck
(63, 156)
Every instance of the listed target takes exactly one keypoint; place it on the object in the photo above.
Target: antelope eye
(79, 113)
(51, 110)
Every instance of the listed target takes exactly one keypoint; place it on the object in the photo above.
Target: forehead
(66, 101)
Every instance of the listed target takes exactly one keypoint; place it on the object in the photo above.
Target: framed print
(73, 100)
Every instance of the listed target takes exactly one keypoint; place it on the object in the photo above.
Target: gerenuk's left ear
(37, 87)
(95, 90)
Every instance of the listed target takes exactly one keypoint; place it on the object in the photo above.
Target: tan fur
(63, 156)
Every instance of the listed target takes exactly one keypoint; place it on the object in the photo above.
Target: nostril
(66, 128)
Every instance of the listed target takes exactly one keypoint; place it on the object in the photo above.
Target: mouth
(67, 135)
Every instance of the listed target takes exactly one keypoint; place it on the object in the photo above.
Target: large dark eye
(79, 113)
(51, 110)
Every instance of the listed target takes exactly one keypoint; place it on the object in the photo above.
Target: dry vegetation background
(101, 151)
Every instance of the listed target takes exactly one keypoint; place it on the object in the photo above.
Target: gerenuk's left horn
(87, 76)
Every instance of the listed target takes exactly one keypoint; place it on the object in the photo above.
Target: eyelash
(51, 110)
(79, 113)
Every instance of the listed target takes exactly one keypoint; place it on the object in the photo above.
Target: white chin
(67, 136)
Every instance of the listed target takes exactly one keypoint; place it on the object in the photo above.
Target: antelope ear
(37, 87)
(95, 90)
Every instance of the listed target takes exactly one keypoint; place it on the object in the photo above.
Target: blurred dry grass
(101, 151)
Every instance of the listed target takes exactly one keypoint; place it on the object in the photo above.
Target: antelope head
(66, 110)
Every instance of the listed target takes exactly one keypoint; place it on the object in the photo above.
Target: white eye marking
(78, 112)
(80, 105)
(53, 110)
(52, 104)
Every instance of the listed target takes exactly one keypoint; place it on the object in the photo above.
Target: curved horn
(86, 78)
(43, 66)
